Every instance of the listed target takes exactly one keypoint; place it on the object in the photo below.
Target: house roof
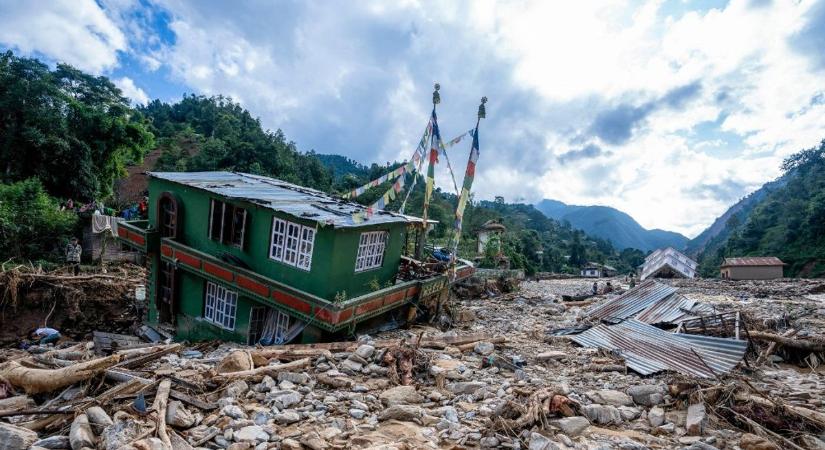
(283, 197)
(753, 261)
(668, 258)
(492, 225)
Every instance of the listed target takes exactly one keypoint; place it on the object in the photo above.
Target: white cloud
(131, 91)
(77, 32)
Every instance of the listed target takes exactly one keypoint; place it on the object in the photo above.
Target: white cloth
(101, 223)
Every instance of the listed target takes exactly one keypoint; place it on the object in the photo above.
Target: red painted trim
(413, 291)
(166, 250)
(395, 297)
(188, 259)
(252, 285)
(134, 237)
(326, 315)
(369, 306)
(123, 232)
(218, 271)
(292, 302)
(344, 315)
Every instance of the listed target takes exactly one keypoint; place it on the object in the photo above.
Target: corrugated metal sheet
(671, 259)
(632, 302)
(647, 349)
(281, 196)
(673, 309)
(753, 261)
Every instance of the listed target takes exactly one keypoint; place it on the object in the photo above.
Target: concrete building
(752, 268)
(489, 230)
(668, 263)
(246, 258)
(596, 270)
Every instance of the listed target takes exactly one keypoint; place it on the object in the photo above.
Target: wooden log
(146, 358)
(260, 372)
(809, 414)
(800, 344)
(35, 381)
(773, 346)
(161, 399)
(471, 345)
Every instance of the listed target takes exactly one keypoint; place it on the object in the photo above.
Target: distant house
(668, 263)
(596, 270)
(490, 229)
(752, 268)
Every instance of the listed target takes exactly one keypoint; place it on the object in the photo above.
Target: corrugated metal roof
(647, 349)
(668, 258)
(753, 261)
(281, 196)
(632, 302)
(673, 309)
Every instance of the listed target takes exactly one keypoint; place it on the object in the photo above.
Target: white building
(668, 263)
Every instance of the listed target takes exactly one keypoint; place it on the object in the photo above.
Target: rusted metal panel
(632, 302)
(647, 349)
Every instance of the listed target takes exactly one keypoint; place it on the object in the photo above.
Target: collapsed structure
(668, 263)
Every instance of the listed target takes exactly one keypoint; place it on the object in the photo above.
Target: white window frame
(220, 306)
(213, 202)
(292, 244)
(371, 248)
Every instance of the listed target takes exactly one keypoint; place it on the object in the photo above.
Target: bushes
(31, 223)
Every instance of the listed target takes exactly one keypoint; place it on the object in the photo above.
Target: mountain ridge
(612, 224)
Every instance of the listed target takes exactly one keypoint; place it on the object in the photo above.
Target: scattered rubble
(500, 380)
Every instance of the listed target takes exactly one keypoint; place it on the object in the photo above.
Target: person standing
(73, 252)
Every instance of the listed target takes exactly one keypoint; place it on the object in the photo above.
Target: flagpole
(435, 138)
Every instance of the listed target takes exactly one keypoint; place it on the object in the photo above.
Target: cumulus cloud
(78, 32)
(131, 91)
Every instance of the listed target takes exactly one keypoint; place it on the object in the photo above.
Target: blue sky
(669, 110)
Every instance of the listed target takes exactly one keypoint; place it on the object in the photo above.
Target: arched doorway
(169, 225)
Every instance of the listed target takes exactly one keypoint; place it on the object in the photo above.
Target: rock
(451, 414)
(696, 418)
(290, 444)
(629, 413)
(98, 418)
(647, 394)
(314, 441)
(237, 389)
(404, 413)
(656, 416)
(603, 414)
(148, 444)
(179, 443)
(80, 433)
(610, 397)
(239, 446)
(52, 442)
(356, 413)
(287, 417)
(551, 355)
(668, 428)
(294, 377)
(465, 387)
(753, 442)
(251, 433)
(484, 348)
(233, 411)
(287, 399)
(489, 442)
(400, 395)
(352, 366)
(541, 442)
(235, 362)
(15, 438)
(178, 416)
(571, 426)
(699, 445)
(365, 351)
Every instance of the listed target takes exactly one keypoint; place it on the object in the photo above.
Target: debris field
(524, 369)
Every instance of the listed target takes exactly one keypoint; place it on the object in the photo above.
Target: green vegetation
(73, 131)
(789, 222)
(32, 226)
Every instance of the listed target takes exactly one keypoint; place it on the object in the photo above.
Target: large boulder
(603, 414)
(404, 413)
(647, 394)
(80, 433)
(696, 418)
(15, 438)
(610, 397)
(235, 362)
(571, 426)
(400, 395)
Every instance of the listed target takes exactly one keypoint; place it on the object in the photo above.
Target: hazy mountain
(610, 223)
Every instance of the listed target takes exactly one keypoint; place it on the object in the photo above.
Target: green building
(247, 258)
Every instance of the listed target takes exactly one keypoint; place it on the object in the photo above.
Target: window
(292, 243)
(227, 223)
(220, 306)
(371, 250)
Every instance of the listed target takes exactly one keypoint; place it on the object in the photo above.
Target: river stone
(603, 414)
(656, 416)
(571, 426)
(647, 394)
(400, 395)
(541, 442)
(14, 437)
(610, 397)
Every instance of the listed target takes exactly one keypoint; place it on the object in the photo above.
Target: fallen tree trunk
(161, 399)
(260, 372)
(809, 345)
(805, 413)
(35, 381)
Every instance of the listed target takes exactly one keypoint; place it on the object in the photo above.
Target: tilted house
(243, 257)
(752, 268)
(668, 263)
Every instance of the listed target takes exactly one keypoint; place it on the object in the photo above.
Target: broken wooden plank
(200, 404)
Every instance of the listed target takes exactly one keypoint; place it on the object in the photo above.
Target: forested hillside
(65, 134)
(787, 221)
